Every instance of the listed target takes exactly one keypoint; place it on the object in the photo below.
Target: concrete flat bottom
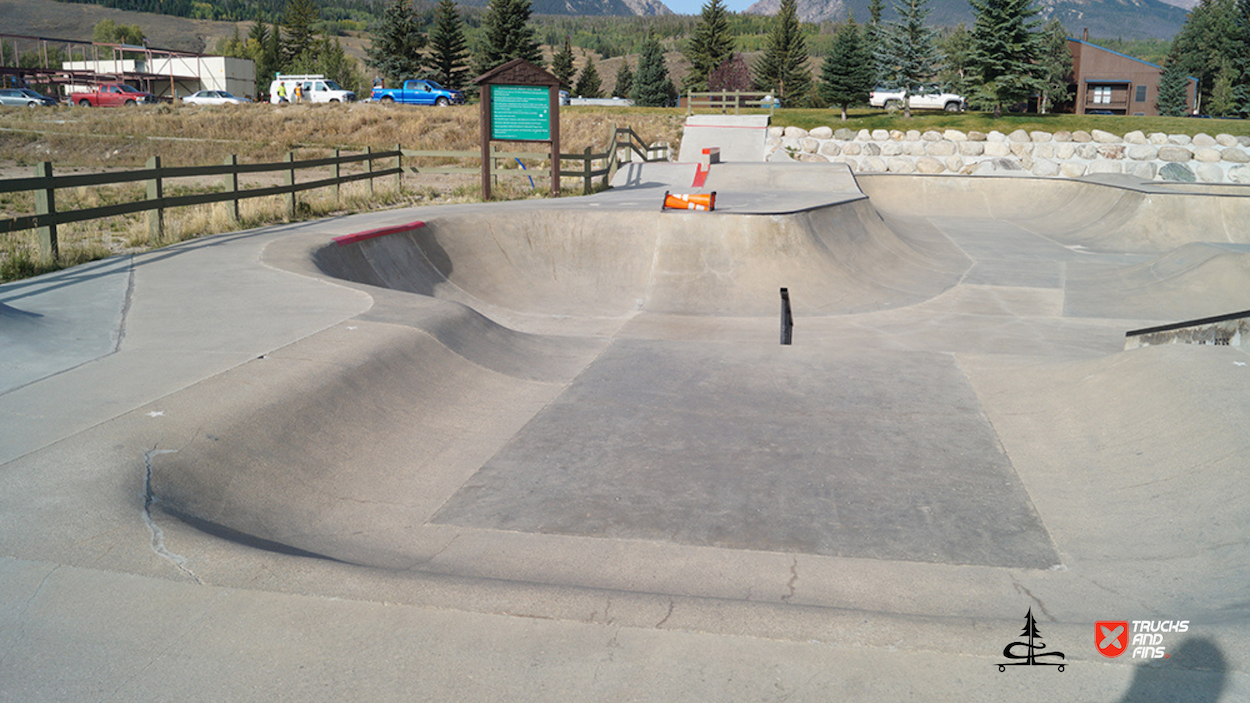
(769, 448)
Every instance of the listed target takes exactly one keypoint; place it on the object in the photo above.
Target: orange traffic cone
(690, 201)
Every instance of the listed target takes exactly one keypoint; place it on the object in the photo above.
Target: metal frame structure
(46, 74)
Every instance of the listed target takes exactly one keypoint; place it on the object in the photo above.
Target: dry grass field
(78, 140)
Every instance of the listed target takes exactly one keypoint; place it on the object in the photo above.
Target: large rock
(955, 164)
(997, 149)
(831, 149)
(1204, 139)
(1239, 174)
(1235, 155)
(1104, 167)
(813, 158)
(821, 133)
(810, 145)
(1177, 173)
(1039, 136)
(892, 149)
(1181, 139)
(776, 132)
(1158, 138)
(863, 135)
(1209, 173)
(995, 136)
(795, 132)
(898, 135)
(843, 134)
(1087, 151)
(1144, 171)
(900, 164)
(791, 144)
(872, 149)
(1045, 167)
(976, 136)
(971, 148)
(1243, 140)
(1045, 150)
(1207, 154)
(1065, 151)
(1063, 135)
(942, 148)
(1175, 153)
(880, 135)
(1022, 149)
(931, 136)
(1225, 140)
(1018, 136)
(1081, 136)
(1135, 137)
(928, 164)
(852, 149)
(1104, 137)
(999, 166)
(954, 135)
(1072, 169)
(779, 156)
(913, 135)
(1143, 152)
(872, 164)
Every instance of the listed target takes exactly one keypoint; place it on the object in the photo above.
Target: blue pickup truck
(418, 92)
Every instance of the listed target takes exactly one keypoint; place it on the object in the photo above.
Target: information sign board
(520, 113)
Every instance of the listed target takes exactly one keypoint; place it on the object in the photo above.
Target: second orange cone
(690, 201)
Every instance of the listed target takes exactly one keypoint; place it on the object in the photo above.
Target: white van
(315, 89)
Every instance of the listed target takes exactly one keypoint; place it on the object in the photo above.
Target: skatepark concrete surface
(552, 450)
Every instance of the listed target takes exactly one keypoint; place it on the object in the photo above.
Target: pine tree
(846, 77)
(1172, 100)
(872, 35)
(507, 35)
(588, 83)
(712, 43)
(907, 50)
(652, 86)
(562, 65)
(395, 46)
(1005, 53)
(449, 50)
(782, 69)
(1209, 36)
(624, 80)
(272, 57)
(956, 47)
(1055, 62)
(1223, 103)
(1241, 60)
(298, 34)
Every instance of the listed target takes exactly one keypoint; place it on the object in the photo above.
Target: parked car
(314, 88)
(213, 97)
(112, 95)
(24, 96)
(418, 92)
(927, 100)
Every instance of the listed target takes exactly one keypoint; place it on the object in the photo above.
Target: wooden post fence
(45, 208)
(156, 192)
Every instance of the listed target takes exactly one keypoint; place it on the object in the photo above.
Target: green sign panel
(520, 113)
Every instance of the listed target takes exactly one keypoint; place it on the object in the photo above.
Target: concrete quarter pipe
(553, 451)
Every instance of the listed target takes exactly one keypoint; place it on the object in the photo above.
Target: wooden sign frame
(520, 74)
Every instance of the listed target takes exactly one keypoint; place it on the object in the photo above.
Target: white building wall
(237, 76)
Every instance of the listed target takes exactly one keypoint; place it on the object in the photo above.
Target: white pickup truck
(882, 97)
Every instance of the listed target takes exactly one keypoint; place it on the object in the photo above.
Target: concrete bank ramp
(740, 138)
(1194, 280)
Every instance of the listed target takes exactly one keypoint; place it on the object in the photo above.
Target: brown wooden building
(1110, 82)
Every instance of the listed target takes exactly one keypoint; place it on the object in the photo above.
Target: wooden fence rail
(725, 99)
(47, 217)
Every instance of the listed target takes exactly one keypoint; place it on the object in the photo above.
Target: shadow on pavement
(1200, 681)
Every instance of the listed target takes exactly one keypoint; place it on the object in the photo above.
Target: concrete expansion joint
(126, 304)
(157, 535)
(21, 612)
(671, 604)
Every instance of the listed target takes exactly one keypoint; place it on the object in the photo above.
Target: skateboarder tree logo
(1032, 644)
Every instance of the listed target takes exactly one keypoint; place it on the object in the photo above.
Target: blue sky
(694, 7)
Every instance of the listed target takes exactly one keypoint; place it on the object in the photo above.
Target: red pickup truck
(112, 95)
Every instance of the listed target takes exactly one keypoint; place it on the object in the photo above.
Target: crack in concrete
(669, 614)
(1020, 588)
(22, 612)
(158, 535)
(794, 578)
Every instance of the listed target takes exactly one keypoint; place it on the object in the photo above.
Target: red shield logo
(1111, 637)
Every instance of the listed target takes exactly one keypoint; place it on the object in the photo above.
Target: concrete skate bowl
(440, 432)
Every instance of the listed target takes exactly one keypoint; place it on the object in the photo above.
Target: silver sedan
(213, 97)
(24, 96)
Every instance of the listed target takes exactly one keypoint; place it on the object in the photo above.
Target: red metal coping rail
(379, 232)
